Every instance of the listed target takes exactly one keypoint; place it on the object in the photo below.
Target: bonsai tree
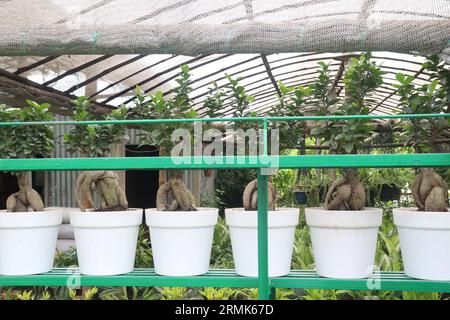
(95, 141)
(240, 101)
(215, 101)
(25, 142)
(291, 103)
(429, 189)
(155, 106)
(291, 134)
(346, 136)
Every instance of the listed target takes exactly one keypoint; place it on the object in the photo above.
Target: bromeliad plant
(94, 141)
(429, 189)
(346, 136)
(25, 142)
(155, 106)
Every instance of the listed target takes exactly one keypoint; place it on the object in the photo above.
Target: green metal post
(263, 260)
(273, 293)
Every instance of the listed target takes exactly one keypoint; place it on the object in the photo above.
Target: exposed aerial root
(183, 199)
(430, 191)
(346, 193)
(25, 199)
(250, 196)
(106, 185)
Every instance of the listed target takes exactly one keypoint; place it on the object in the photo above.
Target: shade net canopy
(103, 49)
(192, 27)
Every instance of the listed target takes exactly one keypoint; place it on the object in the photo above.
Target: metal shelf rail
(227, 278)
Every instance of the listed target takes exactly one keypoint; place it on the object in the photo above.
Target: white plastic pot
(244, 240)
(424, 243)
(28, 241)
(66, 236)
(181, 240)
(106, 241)
(344, 242)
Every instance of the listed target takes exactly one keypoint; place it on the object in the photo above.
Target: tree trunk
(26, 197)
(430, 191)
(346, 193)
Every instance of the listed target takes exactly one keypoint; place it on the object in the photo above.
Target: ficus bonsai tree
(215, 101)
(25, 142)
(346, 136)
(292, 102)
(240, 101)
(155, 106)
(429, 189)
(95, 141)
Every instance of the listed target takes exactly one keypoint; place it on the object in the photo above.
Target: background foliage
(26, 141)
(94, 140)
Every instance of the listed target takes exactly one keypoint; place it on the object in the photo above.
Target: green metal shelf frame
(227, 278)
(304, 279)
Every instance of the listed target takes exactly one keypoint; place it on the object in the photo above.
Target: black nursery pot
(301, 197)
(389, 192)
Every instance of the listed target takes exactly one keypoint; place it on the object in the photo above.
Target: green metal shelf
(305, 279)
(237, 162)
(139, 277)
(392, 281)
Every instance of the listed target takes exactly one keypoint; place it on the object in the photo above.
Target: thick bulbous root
(24, 199)
(183, 199)
(346, 193)
(106, 185)
(430, 191)
(250, 196)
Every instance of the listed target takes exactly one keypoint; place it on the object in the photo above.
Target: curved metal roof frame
(258, 73)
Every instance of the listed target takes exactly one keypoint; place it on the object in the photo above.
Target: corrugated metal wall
(60, 188)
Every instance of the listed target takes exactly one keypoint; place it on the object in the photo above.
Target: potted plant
(386, 184)
(28, 232)
(302, 188)
(292, 134)
(424, 231)
(243, 222)
(105, 234)
(343, 232)
(301, 195)
(181, 233)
